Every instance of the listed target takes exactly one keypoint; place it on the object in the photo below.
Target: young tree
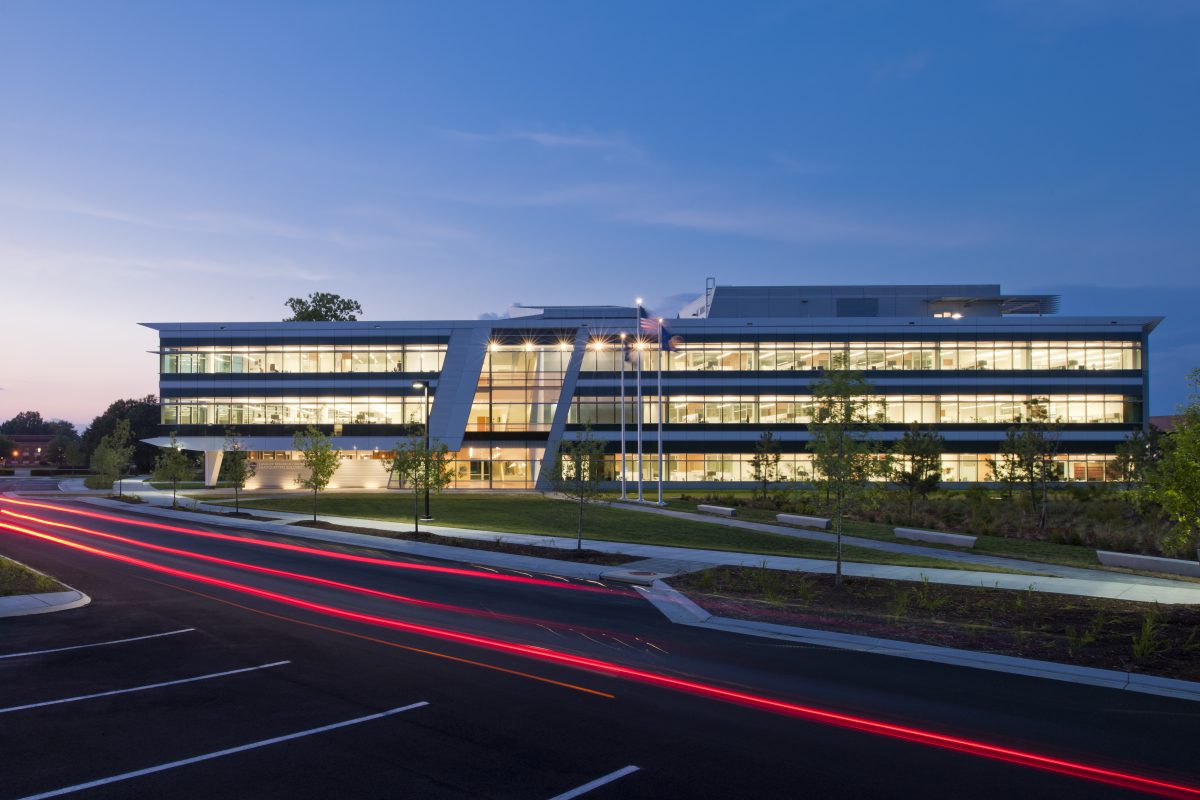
(1173, 482)
(237, 467)
(323, 307)
(172, 466)
(111, 459)
(1135, 457)
(764, 464)
(844, 457)
(917, 463)
(320, 461)
(1027, 456)
(7, 446)
(423, 469)
(576, 472)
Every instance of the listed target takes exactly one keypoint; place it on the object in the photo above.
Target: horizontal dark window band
(650, 448)
(709, 390)
(535, 438)
(399, 431)
(757, 427)
(807, 376)
(274, 395)
(280, 341)
(899, 335)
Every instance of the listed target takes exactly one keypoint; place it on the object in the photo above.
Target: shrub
(98, 482)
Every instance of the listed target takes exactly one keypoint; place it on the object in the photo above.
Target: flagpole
(660, 413)
(638, 399)
(624, 496)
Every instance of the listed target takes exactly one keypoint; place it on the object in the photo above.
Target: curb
(21, 605)
(441, 552)
(680, 609)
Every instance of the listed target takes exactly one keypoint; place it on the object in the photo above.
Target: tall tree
(422, 469)
(323, 307)
(237, 467)
(172, 466)
(764, 464)
(844, 457)
(576, 472)
(7, 448)
(917, 463)
(320, 461)
(1027, 456)
(26, 423)
(145, 422)
(1173, 482)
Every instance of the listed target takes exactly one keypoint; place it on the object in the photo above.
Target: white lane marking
(124, 776)
(578, 790)
(96, 644)
(143, 688)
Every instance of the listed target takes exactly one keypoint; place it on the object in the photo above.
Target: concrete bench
(1174, 566)
(805, 522)
(936, 537)
(722, 510)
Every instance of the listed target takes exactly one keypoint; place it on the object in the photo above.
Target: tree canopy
(1173, 481)
(323, 307)
(30, 423)
(144, 423)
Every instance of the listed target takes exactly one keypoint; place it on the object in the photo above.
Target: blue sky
(180, 161)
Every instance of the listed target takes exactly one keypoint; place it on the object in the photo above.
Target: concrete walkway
(1092, 583)
(964, 557)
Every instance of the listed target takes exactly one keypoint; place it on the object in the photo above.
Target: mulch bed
(227, 514)
(582, 556)
(1088, 631)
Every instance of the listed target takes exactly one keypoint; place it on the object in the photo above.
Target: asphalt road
(244, 669)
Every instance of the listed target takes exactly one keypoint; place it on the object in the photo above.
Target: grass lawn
(1089, 631)
(16, 579)
(1027, 549)
(526, 513)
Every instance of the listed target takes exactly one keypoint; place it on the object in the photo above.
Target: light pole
(624, 353)
(425, 386)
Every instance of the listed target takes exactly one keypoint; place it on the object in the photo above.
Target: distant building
(741, 360)
(29, 448)
(1165, 423)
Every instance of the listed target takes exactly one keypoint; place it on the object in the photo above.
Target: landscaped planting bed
(1094, 632)
(17, 579)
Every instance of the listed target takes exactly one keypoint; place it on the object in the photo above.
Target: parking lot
(133, 707)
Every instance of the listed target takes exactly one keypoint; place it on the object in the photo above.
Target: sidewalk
(669, 560)
(1036, 567)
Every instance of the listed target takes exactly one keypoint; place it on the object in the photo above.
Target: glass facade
(736, 467)
(300, 411)
(605, 356)
(519, 386)
(327, 358)
(727, 376)
(797, 409)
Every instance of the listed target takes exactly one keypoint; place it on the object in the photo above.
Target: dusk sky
(206, 161)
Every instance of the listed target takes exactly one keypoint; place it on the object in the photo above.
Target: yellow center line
(434, 653)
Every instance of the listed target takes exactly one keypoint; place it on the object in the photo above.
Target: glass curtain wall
(867, 356)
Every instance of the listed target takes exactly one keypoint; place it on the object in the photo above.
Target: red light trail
(296, 548)
(931, 738)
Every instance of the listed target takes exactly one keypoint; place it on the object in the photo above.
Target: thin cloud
(609, 144)
(800, 225)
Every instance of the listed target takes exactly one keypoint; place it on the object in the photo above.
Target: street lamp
(425, 386)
